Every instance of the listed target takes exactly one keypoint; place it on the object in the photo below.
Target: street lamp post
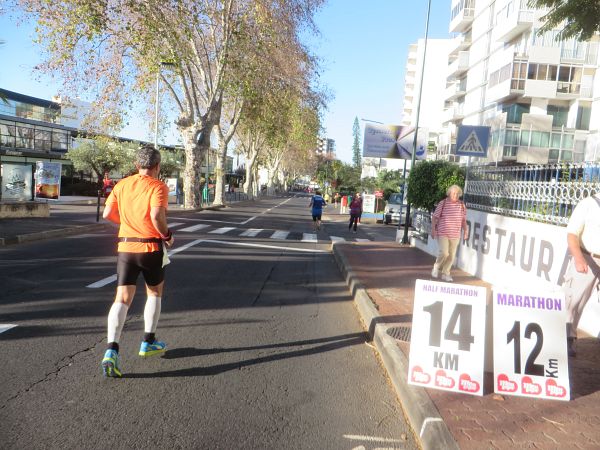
(414, 149)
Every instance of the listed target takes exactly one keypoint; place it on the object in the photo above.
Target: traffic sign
(472, 140)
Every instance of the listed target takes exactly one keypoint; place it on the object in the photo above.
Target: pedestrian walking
(355, 211)
(447, 221)
(138, 204)
(317, 202)
(583, 273)
(344, 204)
(336, 199)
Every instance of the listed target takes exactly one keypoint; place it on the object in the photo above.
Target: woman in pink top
(447, 221)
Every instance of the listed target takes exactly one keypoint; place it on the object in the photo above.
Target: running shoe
(110, 364)
(155, 348)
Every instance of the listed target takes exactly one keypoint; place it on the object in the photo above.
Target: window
(7, 134)
(60, 141)
(544, 72)
(519, 75)
(583, 118)
(514, 113)
(559, 115)
(512, 137)
(24, 137)
(569, 79)
(43, 140)
(540, 138)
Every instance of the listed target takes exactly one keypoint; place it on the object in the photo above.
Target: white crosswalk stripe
(174, 224)
(337, 239)
(279, 234)
(309, 237)
(222, 230)
(362, 240)
(6, 326)
(251, 232)
(194, 228)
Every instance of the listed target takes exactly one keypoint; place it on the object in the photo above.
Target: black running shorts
(129, 266)
(316, 217)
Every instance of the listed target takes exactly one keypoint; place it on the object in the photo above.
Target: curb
(48, 234)
(422, 413)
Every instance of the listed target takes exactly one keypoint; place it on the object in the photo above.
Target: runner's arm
(575, 249)
(111, 213)
(158, 216)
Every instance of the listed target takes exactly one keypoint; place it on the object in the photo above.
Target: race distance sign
(448, 337)
(530, 343)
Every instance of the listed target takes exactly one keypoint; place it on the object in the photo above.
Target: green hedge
(429, 180)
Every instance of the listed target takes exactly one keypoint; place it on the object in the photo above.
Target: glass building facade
(32, 125)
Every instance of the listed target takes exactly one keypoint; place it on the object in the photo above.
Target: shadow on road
(331, 343)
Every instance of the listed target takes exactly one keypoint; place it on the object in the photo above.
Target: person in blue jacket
(317, 202)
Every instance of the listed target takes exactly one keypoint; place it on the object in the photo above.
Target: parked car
(395, 209)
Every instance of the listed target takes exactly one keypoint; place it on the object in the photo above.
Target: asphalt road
(265, 348)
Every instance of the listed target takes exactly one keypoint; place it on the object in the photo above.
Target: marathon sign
(448, 337)
(530, 344)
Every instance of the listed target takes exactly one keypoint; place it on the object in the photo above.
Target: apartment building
(326, 147)
(434, 81)
(539, 95)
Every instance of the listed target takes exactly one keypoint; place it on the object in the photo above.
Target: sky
(362, 47)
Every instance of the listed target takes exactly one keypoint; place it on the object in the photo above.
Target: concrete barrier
(23, 209)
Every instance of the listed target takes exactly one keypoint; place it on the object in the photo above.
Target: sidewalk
(70, 215)
(381, 277)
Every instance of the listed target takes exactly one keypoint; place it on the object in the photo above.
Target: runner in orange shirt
(138, 204)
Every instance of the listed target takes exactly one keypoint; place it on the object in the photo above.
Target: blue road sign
(472, 141)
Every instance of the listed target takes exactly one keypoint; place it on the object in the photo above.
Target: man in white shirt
(583, 274)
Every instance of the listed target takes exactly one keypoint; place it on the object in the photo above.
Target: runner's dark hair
(147, 157)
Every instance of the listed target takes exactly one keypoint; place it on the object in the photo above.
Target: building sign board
(448, 337)
(530, 343)
(394, 141)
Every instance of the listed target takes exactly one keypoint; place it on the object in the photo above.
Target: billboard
(47, 180)
(394, 141)
(16, 182)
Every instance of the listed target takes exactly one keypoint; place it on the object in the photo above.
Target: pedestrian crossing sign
(472, 141)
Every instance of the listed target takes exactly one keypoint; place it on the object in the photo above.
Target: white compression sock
(116, 320)
(151, 314)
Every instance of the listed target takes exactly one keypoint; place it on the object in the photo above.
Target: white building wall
(434, 85)
(502, 33)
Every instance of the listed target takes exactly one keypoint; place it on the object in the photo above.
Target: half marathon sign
(530, 343)
(448, 337)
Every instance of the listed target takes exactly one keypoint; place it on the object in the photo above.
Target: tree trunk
(191, 173)
(196, 143)
(250, 162)
(220, 174)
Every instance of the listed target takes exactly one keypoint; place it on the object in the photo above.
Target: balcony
(453, 114)
(456, 90)
(462, 16)
(459, 66)
(460, 42)
(512, 24)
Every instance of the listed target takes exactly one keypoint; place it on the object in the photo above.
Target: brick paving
(388, 272)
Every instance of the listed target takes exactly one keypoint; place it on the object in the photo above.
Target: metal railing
(545, 193)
